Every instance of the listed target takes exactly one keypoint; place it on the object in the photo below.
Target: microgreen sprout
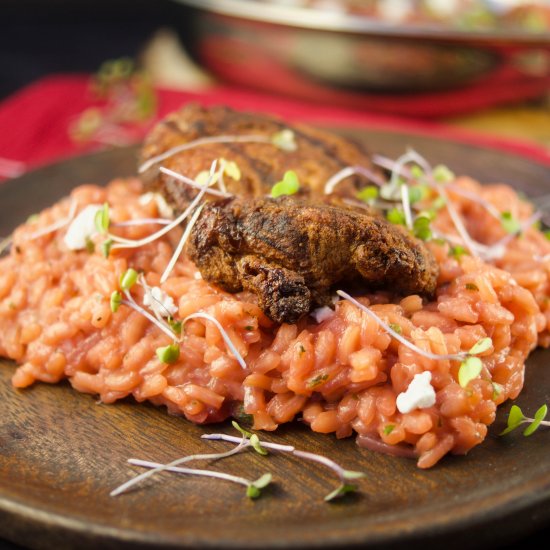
(442, 174)
(395, 216)
(344, 475)
(102, 219)
(284, 140)
(471, 367)
(241, 443)
(203, 180)
(340, 491)
(225, 336)
(168, 354)
(421, 227)
(413, 347)
(510, 223)
(253, 488)
(56, 225)
(348, 171)
(181, 244)
(106, 247)
(516, 418)
(289, 185)
(128, 279)
(368, 194)
(116, 300)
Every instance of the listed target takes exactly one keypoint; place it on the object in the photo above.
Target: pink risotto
(339, 370)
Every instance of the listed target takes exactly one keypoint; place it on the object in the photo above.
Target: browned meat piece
(290, 252)
(318, 155)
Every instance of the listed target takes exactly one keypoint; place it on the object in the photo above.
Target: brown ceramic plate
(61, 452)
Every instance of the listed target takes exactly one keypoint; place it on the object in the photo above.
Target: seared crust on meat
(290, 252)
(318, 156)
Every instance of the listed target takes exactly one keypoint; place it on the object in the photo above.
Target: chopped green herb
(396, 216)
(102, 219)
(469, 370)
(168, 354)
(457, 251)
(288, 186)
(396, 328)
(116, 300)
(368, 194)
(128, 279)
(388, 429)
(249, 327)
(340, 491)
(318, 380)
(481, 346)
(547, 234)
(33, 218)
(442, 174)
(242, 416)
(471, 286)
(509, 223)
(301, 349)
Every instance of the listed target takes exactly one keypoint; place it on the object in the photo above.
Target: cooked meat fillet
(318, 155)
(290, 252)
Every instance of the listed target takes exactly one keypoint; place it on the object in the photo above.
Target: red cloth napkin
(35, 121)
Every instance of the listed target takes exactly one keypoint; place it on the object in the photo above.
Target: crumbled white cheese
(159, 302)
(322, 313)
(163, 208)
(419, 395)
(82, 228)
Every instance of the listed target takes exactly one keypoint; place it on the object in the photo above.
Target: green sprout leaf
(256, 445)
(317, 380)
(232, 170)
(254, 490)
(102, 219)
(174, 325)
(285, 140)
(481, 346)
(421, 227)
(340, 491)
(288, 186)
(106, 247)
(457, 252)
(128, 279)
(417, 172)
(116, 300)
(244, 432)
(442, 174)
(396, 216)
(515, 418)
(351, 474)
(469, 370)
(368, 194)
(90, 245)
(540, 415)
(168, 354)
(509, 223)
(396, 328)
